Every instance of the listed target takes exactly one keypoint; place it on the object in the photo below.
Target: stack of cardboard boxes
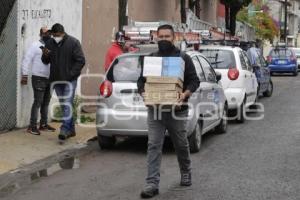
(164, 80)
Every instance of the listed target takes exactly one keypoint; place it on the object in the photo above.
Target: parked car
(297, 53)
(238, 79)
(121, 110)
(282, 60)
(264, 80)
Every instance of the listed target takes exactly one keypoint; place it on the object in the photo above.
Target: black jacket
(191, 80)
(66, 59)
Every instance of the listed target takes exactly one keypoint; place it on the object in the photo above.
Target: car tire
(269, 91)
(222, 127)
(106, 142)
(240, 112)
(295, 73)
(195, 139)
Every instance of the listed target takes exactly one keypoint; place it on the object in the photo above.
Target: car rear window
(125, 69)
(219, 59)
(281, 53)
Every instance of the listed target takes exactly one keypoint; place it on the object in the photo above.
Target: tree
(232, 7)
(265, 26)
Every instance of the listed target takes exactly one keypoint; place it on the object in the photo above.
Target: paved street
(258, 160)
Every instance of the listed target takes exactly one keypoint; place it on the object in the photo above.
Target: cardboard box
(159, 87)
(173, 67)
(161, 98)
(164, 67)
(152, 66)
(164, 80)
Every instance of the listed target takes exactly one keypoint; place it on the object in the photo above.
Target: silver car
(121, 111)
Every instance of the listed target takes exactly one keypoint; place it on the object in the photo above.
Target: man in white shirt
(40, 83)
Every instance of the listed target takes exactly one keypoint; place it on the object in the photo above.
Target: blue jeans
(65, 93)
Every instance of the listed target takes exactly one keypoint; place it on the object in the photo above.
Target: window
(219, 59)
(243, 62)
(281, 53)
(125, 69)
(247, 61)
(198, 69)
(208, 71)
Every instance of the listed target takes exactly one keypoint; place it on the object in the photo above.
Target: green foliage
(263, 23)
(83, 118)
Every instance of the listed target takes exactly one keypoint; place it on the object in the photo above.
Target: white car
(238, 78)
(297, 53)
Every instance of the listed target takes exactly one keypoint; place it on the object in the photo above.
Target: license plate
(281, 62)
(137, 100)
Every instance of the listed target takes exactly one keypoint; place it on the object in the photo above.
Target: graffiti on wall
(36, 14)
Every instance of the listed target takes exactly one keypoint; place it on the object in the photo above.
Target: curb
(15, 180)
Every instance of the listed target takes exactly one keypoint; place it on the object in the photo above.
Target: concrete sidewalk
(26, 154)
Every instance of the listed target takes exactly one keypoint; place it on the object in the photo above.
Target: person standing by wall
(40, 83)
(66, 58)
(116, 49)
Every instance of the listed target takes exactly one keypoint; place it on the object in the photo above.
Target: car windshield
(125, 69)
(281, 53)
(219, 59)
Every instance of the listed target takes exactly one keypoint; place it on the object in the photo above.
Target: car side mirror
(218, 76)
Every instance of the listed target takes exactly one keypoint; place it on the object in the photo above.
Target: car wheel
(295, 73)
(269, 91)
(195, 139)
(106, 142)
(222, 127)
(240, 112)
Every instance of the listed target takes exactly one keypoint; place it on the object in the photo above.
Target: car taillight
(106, 89)
(233, 74)
(269, 59)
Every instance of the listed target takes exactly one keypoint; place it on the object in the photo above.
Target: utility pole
(123, 18)
(285, 20)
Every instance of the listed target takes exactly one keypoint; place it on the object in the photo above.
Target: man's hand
(184, 95)
(24, 80)
(46, 51)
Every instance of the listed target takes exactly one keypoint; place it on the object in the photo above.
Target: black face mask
(165, 46)
(46, 38)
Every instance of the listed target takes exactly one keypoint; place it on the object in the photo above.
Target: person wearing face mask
(40, 83)
(116, 49)
(176, 126)
(66, 58)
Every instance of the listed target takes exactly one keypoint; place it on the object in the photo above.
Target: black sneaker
(149, 191)
(63, 135)
(47, 127)
(186, 179)
(33, 131)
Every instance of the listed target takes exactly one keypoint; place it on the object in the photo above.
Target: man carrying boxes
(169, 78)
